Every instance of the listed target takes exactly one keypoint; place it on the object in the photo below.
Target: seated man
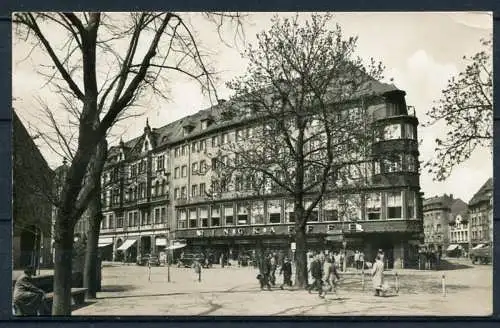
(28, 299)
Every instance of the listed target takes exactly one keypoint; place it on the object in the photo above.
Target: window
(203, 166)
(376, 167)
(289, 211)
(193, 147)
(392, 163)
(136, 219)
(225, 138)
(194, 190)
(215, 209)
(104, 222)
(257, 210)
(214, 164)
(183, 192)
(164, 187)
(228, 214)
(157, 189)
(177, 152)
(239, 135)
(184, 150)
(157, 215)
(215, 141)
(330, 210)
(193, 218)
(163, 218)
(119, 222)
(160, 163)
(176, 173)
(242, 213)
(184, 171)
(238, 183)
(314, 217)
(111, 221)
(176, 193)
(410, 204)
(373, 206)
(249, 132)
(194, 168)
(410, 163)
(202, 145)
(130, 219)
(409, 131)
(274, 211)
(142, 190)
(181, 218)
(392, 131)
(204, 124)
(204, 216)
(394, 205)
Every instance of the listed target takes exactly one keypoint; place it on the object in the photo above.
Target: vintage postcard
(252, 164)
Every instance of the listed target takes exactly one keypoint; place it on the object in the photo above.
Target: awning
(452, 248)
(161, 241)
(176, 246)
(478, 246)
(126, 244)
(103, 242)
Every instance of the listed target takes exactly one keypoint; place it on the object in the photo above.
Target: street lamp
(344, 265)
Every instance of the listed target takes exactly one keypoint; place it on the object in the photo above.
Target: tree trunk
(63, 274)
(301, 258)
(90, 274)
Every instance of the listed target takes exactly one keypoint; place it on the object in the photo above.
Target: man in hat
(286, 270)
(28, 299)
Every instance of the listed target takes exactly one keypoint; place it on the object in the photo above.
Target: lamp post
(344, 264)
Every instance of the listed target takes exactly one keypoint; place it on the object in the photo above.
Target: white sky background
(421, 51)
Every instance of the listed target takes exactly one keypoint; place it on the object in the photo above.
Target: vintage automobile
(154, 260)
(145, 259)
(187, 259)
(481, 254)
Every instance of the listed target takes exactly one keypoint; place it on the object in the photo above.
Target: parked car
(154, 260)
(188, 259)
(142, 259)
(481, 254)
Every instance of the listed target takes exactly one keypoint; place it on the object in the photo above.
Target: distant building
(32, 182)
(459, 237)
(438, 212)
(481, 215)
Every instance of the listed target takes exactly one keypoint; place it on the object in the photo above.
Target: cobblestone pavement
(234, 291)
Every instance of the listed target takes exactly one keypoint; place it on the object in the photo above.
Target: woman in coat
(378, 275)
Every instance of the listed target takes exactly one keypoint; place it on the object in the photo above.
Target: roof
(483, 194)
(173, 133)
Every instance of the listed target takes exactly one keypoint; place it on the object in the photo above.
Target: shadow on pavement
(117, 288)
(447, 265)
(79, 306)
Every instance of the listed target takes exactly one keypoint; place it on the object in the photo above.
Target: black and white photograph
(252, 164)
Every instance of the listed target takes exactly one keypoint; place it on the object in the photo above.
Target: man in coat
(378, 275)
(317, 274)
(286, 270)
(265, 270)
(330, 273)
(28, 299)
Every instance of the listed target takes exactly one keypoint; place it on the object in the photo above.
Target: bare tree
(302, 100)
(466, 106)
(89, 70)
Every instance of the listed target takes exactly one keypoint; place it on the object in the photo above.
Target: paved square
(235, 291)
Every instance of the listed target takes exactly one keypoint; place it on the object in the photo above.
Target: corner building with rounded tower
(155, 190)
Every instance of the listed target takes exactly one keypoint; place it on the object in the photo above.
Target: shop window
(392, 164)
(394, 205)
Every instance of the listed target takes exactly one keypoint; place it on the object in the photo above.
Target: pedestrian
(362, 260)
(272, 272)
(263, 276)
(378, 275)
(317, 275)
(356, 259)
(221, 260)
(286, 271)
(336, 258)
(197, 270)
(330, 275)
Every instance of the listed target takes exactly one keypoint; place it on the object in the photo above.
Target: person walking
(197, 270)
(361, 260)
(330, 276)
(317, 274)
(286, 271)
(272, 271)
(378, 275)
(356, 259)
(263, 276)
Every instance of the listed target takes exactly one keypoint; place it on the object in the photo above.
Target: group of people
(324, 274)
(268, 268)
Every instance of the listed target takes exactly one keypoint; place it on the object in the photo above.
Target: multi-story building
(459, 238)
(155, 188)
(438, 212)
(481, 215)
(32, 182)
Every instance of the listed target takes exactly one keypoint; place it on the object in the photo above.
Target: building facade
(481, 215)
(438, 213)
(32, 182)
(459, 238)
(155, 189)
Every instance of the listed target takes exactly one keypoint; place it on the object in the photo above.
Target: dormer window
(187, 128)
(204, 124)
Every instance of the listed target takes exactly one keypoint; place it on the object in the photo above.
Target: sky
(420, 51)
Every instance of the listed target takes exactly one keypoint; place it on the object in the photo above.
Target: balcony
(160, 198)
